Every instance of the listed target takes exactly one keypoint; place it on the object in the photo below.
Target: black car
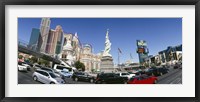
(82, 76)
(178, 65)
(157, 71)
(110, 78)
(140, 72)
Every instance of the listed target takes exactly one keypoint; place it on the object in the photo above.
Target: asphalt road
(173, 77)
(26, 78)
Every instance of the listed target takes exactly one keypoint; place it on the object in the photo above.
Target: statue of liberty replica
(107, 60)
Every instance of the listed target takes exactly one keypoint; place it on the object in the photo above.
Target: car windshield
(52, 75)
(125, 74)
(37, 65)
(64, 72)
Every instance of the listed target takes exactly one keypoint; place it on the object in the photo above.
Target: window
(124, 73)
(59, 67)
(52, 75)
(46, 74)
(40, 72)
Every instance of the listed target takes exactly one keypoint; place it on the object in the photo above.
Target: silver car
(47, 77)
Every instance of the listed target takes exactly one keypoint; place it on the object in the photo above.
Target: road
(26, 78)
(173, 77)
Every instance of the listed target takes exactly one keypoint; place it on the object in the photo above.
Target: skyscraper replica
(44, 30)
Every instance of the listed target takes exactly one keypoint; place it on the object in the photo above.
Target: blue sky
(159, 33)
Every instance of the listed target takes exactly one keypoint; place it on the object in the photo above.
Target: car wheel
(35, 78)
(155, 81)
(125, 82)
(91, 80)
(98, 82)
(52, 83)
(76, 79)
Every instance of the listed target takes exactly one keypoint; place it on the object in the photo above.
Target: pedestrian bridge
(23, 47)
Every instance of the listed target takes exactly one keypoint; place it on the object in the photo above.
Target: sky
(159, 33)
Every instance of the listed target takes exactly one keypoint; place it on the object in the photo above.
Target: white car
(50, 70)
(59, 68)
(36, 66)
(21, 67)
(124, 74)
(28, 66)
(47, 77)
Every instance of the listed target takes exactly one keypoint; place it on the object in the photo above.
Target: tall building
(50, 42)
(35, 39)
(44, 30)
(54, 41)
(59, 36)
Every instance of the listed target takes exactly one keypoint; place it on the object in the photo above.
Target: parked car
(131, 74)
(28, 66)
(82, 76)
(51, 70)
(110, 78)
(140, 72)
(178, 65)
(143, 79)
(124, 75)
(66, 74)
(60, 68)
(47, 77)
(157, 71)
(21, 67)
(36, 66)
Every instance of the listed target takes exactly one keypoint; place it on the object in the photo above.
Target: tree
(44, 62)
(79, 65)
(33, 59)
(20, 56)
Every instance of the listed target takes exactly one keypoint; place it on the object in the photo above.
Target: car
(131, 74)
(47, 77)
(178, 65)
(36, 66)
(59, 68)
(66, 74)
(162, 71)
(143, 79)
(51, 70)
(124, 74)
(157, 71)
(83, 76)
(110, 78)
(140, 72)
(21, 67)
(28, 66)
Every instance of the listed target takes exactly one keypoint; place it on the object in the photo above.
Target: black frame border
(3, 3)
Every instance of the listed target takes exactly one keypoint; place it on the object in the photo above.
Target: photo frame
(98, 2)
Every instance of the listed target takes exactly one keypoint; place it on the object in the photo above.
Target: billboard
(142, 50)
